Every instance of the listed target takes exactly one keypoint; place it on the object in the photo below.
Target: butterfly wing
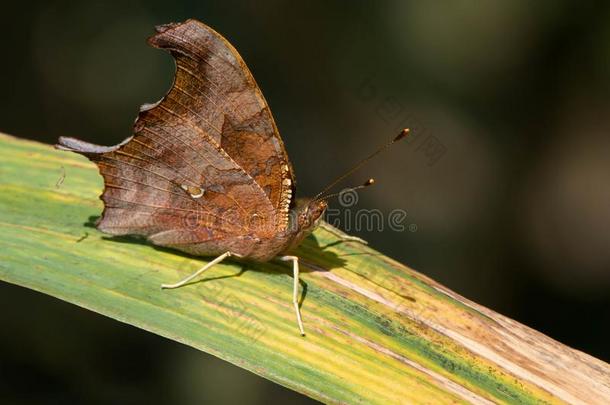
(224, 99)
(182, 179)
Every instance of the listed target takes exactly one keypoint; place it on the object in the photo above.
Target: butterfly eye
(195, 192)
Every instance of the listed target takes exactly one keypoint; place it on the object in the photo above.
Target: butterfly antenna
(367, 183)
(397, 138)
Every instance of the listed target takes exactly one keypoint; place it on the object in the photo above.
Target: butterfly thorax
(304, 217)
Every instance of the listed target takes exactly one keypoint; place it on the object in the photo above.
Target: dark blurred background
(506, 181)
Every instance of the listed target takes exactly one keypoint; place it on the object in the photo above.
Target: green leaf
(377, 331)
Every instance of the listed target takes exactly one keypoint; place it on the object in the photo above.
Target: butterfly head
(304, 218)
(307, 214)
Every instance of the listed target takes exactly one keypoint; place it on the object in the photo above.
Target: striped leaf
(377, 331)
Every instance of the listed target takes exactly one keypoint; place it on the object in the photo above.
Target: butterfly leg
(340, 234)
(201, 270)
(295, 289)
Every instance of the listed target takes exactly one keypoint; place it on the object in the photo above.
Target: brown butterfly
(206, 171)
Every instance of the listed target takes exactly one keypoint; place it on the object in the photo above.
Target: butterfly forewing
(214, 88)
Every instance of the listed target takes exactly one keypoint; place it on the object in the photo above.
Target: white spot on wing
(194, 192)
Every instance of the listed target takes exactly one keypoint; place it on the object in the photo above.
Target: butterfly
(206, 171)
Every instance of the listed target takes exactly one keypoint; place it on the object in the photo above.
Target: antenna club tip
(402, 134)
(369, 182)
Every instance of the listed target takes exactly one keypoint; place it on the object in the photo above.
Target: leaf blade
(369, 338)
